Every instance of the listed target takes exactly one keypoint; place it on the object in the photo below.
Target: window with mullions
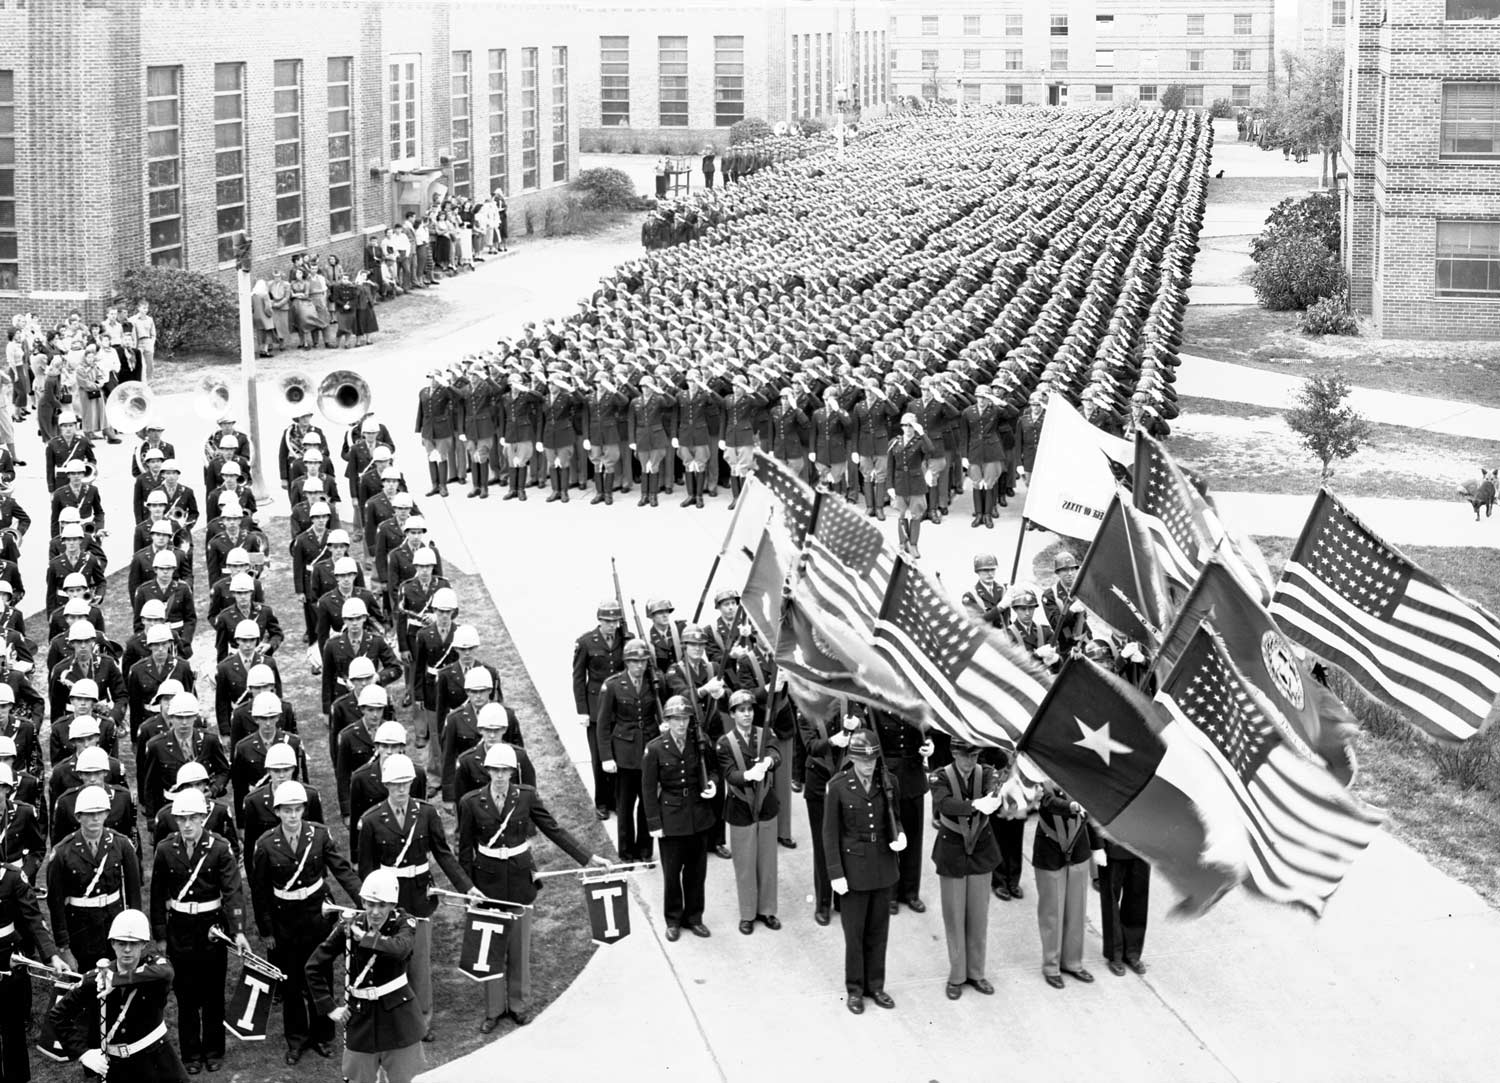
(1471, 120)
(10, 248)
(287, 110)
(403, 118)
(559, 112)
(460, 92)
(340, 146)
(499, 129)
(1468, 259)
(530, 172)
(229, 157)
(164, 166)
(729, 80)
(614, 82)
(1463, 10)
(672, 80)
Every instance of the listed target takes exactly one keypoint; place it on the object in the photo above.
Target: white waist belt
(297, 894)
(94, 902)
(130, 1049)
(501, 853)
(375, 992)
(206, 907)
(407, 872)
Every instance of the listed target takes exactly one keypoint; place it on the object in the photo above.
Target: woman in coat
(305, 319)
(49, 401)
(343, 296)
(263, 318)
(281, 307)
(365, 323)
(317, 293)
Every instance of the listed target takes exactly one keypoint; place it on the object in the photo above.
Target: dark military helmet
(609, 609)
(636, 651)
(726, 596)
(693, 634)
(985, 562)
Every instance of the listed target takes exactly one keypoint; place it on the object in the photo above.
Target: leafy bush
(193, 310)
(1329, 316)
(1472, 765)
(812, 125)
(748, 130)
(607, 189)
(1173, 96)
(1295, 272)
(1222, 107)
(1315, 215)
(566, 213)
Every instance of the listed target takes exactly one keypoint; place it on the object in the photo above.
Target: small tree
(748, 130)
(1329, 427)
(1294, 272)
(192, 310)
(1173, 96)
(1307, 107)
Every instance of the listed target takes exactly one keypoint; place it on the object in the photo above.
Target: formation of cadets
(892, 323)
(156, 809)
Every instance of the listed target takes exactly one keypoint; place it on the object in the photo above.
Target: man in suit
(861, 843)
(677, 788)
(598, 655)
(965, 794)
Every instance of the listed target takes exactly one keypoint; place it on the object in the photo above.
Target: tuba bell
(213, 398)
(130, 406)
(296, 394)
(343, 397)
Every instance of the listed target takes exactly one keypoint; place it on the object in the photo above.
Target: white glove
(964, 463)
(1101, 858)
(919, 430)
(709, 790)
(314, 660)
(892, 494)
(588, 445)
(839, 739)
(1075, 606)
(632, 447)
(723, 446)
(610, 767)
(854, 457)
(95, 1061)
(755, 774)
(658, 834)
(1046, 654)
(462, 438)
(714, 688)
(840, 885)
(812, 456)
(1132, 653)
(989, 804)
(675, 442)
(899, 842)
(927, 748)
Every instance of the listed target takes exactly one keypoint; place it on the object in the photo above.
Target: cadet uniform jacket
(671, 788)
(194, 890)
(288, 883)
(906, 465)
(857, 831)
(405, 847)
(384, 1015)
(78, 879)
(747, 802)
(494, 843)
(594, 661)
(627, 720)
(964, 844)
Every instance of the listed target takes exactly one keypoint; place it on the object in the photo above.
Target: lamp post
(248, 366)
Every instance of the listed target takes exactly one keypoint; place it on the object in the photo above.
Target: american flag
(976, 685)
(1168, 506)
(1302, 828)
(847, 562)
(795, 495)
(1347, 596)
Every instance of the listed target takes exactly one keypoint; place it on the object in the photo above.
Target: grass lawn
(1249, 335)
(1239, 447)
(561, 943)
(1455, 827)
(1259, 191)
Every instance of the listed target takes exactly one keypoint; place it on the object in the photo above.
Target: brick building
(155, 130)
(1420, 166)
(660, 77)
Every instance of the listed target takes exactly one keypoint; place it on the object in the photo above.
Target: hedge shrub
(194, 310)
(1295, 272)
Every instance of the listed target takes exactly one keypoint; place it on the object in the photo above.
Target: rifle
(651, 674)
(697, 733)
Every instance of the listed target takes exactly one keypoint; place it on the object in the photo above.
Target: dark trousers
(633, 837)
(1124, 896)
(866, 917)
(822, 890)
(15, 1009)
(604, 784)
(301, 1023)
(1011, 835)
(909, 884)
(310, 622)
(198, 982)
(684, 867)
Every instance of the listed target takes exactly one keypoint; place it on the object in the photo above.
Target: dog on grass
(1481, 493)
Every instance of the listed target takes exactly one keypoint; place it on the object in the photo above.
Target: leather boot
(690, 486)
(645, 491)
(901, 545)
(515, 485)
(933, 511)
(475, 469)
(432, 474)
(440, 471)
(562, 484)
(598, 497)
(869, 489)
(521, 481)
(484, 480)
(608, 488)
(697, 488)
(914, 531)
(655, 483)
(735, 484)
(978, 507)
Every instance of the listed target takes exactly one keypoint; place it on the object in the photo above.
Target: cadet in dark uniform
(983, 599)
(21, 930)
(94, 874)
(905, 751)
(746, 759)
(825, 755)
(627, 720)
(598, 654)
(964, 796)
(677, 789)
(861, 840)
(1065, 614)
(1124, 901)
(1060, 859)
(907, 459)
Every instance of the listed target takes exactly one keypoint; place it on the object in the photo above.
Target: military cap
(1022, 596)
(741, 698)
(723, 596)
(863, 746)
(693, 634)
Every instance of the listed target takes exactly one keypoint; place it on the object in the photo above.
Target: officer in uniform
(678, 787)
(598, 654)
(861, 842)
(697, 416)
(875, 424)
(748, 762)
(983, 454)
(400, 834)
(965, 794)
(906, 752)
(195, 887)
(126, 1041)
(1060, 858)
(1008, 824)
(907, 470)
(383, 1026)
(983, 600)
(437, 416)
(627, 720)
(288, 874)
(1065, 614)
(603, 410)
(94, 874)
(495, 823)
(23, 931)
(1024, 630)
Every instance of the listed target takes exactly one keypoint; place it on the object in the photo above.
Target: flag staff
(1015, 564)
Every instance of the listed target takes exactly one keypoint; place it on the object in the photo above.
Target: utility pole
(248, 367)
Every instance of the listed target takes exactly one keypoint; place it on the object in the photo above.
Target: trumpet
(343, 397)
(263, 965)
(213, 399)
(130, 406)
(334, 910)
(65, 978)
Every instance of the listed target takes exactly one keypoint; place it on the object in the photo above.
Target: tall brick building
(155, 130)
(1420, 166)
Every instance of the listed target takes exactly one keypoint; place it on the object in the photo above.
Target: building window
(807, 99)
(461, 92)
(672, 71)
(971, 60)
(559, 112)
(971, 93)
(1104, 58)
(287, 97)
(530, 175)
(1239, 96)
(1195, 60)
(164, 166)
(1104, 92)
(1192, 96)
(1059, 61)
(828, 58)
(1195, 25)
(971, 26)
(1104, 20)
(1012, 93)
(796, 80)
(1471, 120)
(229, 156)
(929, 59)
(402, 116)
(1059, 26)
(1462, 10)
(1013, 60)
(929, 91)
(1147, 94)
(1338, 12)
(1468, 259)
(1242, 24)
(729, 80)
(614, 82)
(1242, 60)
(929, 26)
(10, 257)
(1013, 26)
(499, 130)
(341, 145)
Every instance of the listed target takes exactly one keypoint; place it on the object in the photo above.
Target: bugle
(334, 910)
(263, 965)
(466, 901)
(66, 978)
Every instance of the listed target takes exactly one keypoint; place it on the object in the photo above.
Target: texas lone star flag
(1071, 481)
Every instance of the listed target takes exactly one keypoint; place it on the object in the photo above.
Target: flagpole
(713, 570)
(1015, 565)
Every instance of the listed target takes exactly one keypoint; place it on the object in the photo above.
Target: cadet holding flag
(748, 763)
(964, 796)
(679, 812)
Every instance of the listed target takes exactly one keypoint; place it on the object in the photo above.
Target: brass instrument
(249, 957)
(343, 397)
(334, 910)
(130, 406)
(295, 390)
(213, 399)
(65, 978)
